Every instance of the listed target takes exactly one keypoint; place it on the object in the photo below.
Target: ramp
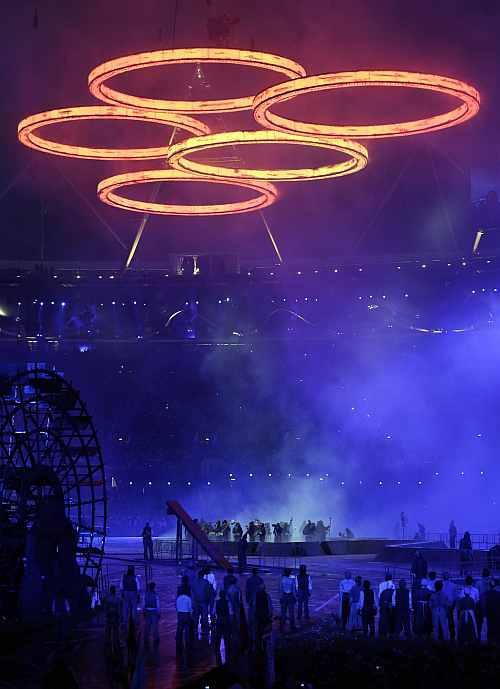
(199, 536)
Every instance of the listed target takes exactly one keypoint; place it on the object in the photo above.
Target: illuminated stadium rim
(129, 63)
(27, 127)
(177, 156)
(286, 91)
(106, 192)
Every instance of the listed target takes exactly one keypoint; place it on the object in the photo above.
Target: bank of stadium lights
(381, 483)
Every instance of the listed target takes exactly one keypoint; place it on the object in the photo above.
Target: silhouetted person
(262, 533)
(112, 606)
(237, 531)
(147, 541)
(252, 530)
(466, 552)
(439, 609)
(368, 611)
(403, 519)
(422, 615)
(277, 532)
(491, 607)
(229, 579)
(402, 610)
(288, 598)
(130, 594)
(386, 599)
(452, 532)
(355, 605)
(242, 553)
(201, 592)
(345, 589)
(151, 614)
(254, 582)
(482, 585)
(233, 595)
(263, 615)
(304, 590)
(419, 568)
(223, 628)
(450, 591)
(467, 628)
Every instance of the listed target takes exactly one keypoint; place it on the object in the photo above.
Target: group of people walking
(432, 607)
(121, 609)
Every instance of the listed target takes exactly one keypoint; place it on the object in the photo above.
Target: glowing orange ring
(286, 91)
(129, 63)
(27, 127)
(177, 156)
(106, 192)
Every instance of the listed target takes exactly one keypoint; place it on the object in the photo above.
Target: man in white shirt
(210, 577)
(344, 590)
(386, 584)
(184, 607)
(288, 598)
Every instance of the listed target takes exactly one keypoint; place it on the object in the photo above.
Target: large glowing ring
(178, 155)
(107, 188)
(129, 63)
(27, 128)
(321, 82)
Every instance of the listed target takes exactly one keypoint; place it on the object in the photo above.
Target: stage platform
(335, 546)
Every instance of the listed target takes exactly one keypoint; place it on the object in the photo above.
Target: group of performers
(259, 531)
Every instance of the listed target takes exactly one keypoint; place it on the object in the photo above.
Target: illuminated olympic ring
(321, 82)
(106, 192)
(178, 155)
(27, 127)
(129, 63)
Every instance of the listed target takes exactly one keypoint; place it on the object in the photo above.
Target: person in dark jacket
(237, 531)
(419, 568)
(482, 585)
(368, 611)
(223, 628)
(263, 615)
(402, 610)
(439, 605)
(242, 553)
(466, 616)
(465, 552)
(254, 582)
(304, 590)
(201, 592)
(147, 541)
(130, 594)
(112, 606)
(422, 625)
(491, 607)
(229, 579)
(452, 532)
